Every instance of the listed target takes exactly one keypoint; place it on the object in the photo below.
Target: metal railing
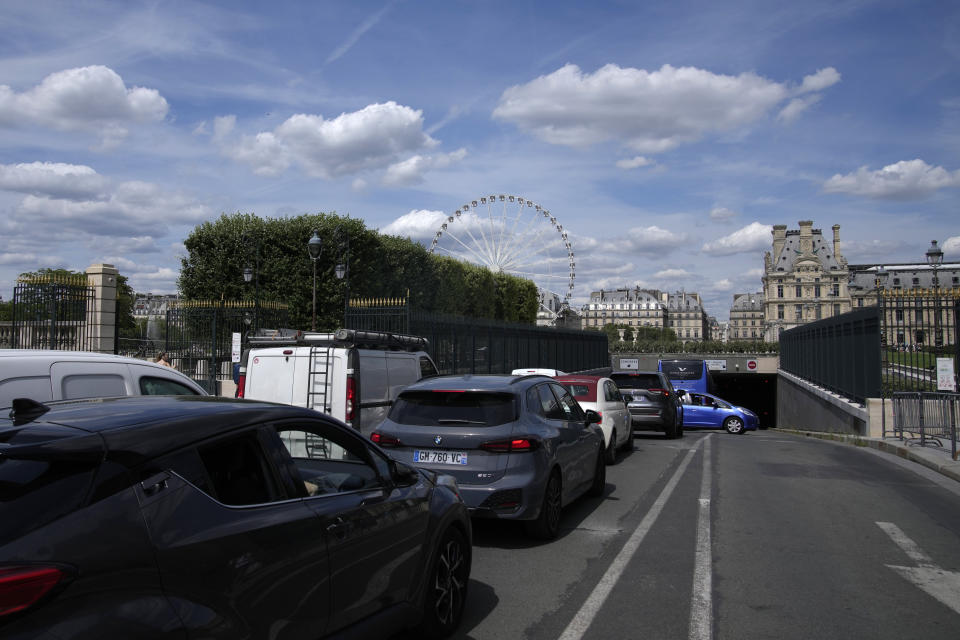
(929, 416)
(841, 354)
(51, 312)
(480, 345)
(919, 326)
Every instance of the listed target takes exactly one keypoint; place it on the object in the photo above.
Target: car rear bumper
(512, 497)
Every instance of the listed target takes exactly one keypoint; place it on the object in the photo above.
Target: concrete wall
(807, 407)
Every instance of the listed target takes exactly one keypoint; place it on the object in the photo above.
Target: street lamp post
(314, 245)
(934, 259)
(343, 270)
(253, 273)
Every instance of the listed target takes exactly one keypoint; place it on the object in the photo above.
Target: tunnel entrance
(755, 391)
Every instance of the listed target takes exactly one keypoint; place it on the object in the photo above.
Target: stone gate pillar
(102, 322)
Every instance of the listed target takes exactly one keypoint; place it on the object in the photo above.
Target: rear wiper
(459, 421)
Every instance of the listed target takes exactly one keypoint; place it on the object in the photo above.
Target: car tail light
(514, 445)
(21, 587)
(600, 413)
(351, 397)
(384, 440)
(664, 392)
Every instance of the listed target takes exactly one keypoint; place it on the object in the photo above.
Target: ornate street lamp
(342, 270)
(314, 246)
(934, 259)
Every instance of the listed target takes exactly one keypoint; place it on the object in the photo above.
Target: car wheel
(447, 588)
(733, 425)
(547, 524)
(599, 478)
(610, 453)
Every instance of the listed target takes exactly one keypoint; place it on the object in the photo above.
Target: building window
(780, 312)
(816, 291)
(916, 281)
(898, 315)
(798, 291)
(779, 290)
(859, 302)
(798, 311)
(836, 309)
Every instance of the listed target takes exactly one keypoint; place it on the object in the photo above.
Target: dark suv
(520, 448)
(651, 400)
(176, 517)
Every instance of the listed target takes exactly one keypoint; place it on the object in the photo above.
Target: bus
(692, 375)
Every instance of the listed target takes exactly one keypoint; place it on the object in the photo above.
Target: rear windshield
(468, 408)
(682, 369)
(637, 380)
(580, 391)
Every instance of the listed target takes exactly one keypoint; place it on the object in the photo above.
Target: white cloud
(411, 170)
(723, 285)
(904, 180)
(722, 214)
(796, 107)
(650, 240)
(672, 274)
(374, 137)
(650, 111)
(753, 273)
(417, 225)
(750, 238)
(951, 247)
(820, 80)
(91, 98)
(634, 163)
(53, 179)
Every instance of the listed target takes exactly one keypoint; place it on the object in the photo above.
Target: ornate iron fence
(52, 312)
(478, 345)
(198, 335)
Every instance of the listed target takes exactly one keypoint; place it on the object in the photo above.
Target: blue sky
(665, 138)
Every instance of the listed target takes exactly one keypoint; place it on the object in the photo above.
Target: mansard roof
(747, 302)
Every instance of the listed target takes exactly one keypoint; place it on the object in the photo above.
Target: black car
(177, 517)
(651, 400)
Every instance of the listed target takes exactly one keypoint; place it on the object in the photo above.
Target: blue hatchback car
(703, 410)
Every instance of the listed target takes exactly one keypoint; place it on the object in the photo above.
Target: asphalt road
(764, 535)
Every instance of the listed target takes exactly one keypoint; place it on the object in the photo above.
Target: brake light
(351, 396)
(660, 391)
(241, 385)
(21, 587)
(515, 445)
(384, 440)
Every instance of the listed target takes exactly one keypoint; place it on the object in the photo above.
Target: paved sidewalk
(931, 456)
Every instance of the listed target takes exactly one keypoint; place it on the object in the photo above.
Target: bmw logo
(437, 440)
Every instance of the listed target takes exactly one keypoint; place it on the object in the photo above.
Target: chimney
(779, 237)
(836, 242)
(806, 236)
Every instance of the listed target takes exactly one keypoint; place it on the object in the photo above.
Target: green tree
(381, 266)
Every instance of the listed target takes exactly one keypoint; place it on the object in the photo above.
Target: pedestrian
(164, 360)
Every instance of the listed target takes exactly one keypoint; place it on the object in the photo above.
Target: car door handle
(338, 528)
(154, 484)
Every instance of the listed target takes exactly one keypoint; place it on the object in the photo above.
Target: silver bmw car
(520, 447)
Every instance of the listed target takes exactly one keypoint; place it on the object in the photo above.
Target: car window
(580, 391)
(329, 461)
(549, 404)
(637, 381)
(453, 407)
(239, 471)
(427, 368)
(571, 410)
(150, 386)
(611, 392)
(402, 371)
(692, 399)
(93, 385)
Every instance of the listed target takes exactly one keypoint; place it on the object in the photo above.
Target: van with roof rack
(349, 374)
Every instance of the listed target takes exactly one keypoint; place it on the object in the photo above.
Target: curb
(950, 470)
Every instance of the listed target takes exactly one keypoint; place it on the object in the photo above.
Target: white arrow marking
(941, 584)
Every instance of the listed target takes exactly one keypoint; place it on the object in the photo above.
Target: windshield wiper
(459, 421)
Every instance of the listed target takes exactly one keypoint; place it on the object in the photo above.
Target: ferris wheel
(510, 234)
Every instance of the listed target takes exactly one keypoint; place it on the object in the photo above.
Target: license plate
(439, 457)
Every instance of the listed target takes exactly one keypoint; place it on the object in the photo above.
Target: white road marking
(701, 604)
(941, 584)
(581, 622)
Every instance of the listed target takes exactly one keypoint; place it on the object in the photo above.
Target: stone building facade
(686, 316)
(747, 321)
(805, 278)
(683, 312)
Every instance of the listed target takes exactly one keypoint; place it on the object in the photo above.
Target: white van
(534, 371)
(352, 375)
(44, 375)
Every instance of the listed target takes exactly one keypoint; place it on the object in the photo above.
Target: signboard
(235, 350)
(946, 381)
(716, 365)
(630, 363)
(752, 365)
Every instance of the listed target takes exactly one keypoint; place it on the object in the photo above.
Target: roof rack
(341, 337)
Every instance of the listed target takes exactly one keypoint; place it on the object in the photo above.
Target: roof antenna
(26, 410)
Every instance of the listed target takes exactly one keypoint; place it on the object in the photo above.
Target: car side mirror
(404, 475)
(681, 392)
(593, 417)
